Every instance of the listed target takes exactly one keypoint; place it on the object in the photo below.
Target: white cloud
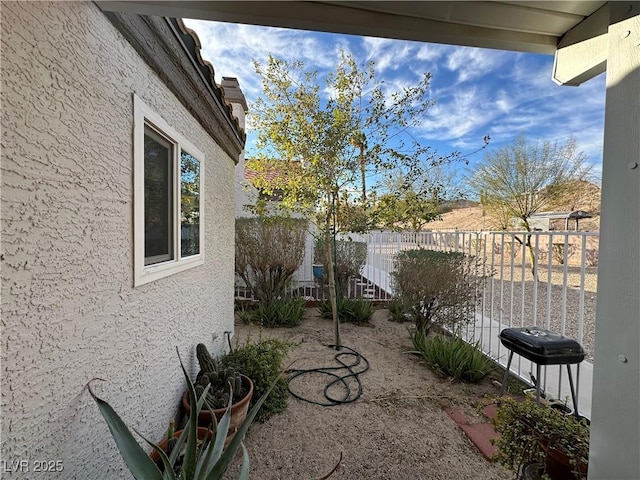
(473, 63)
(387, 54)
(232, 49)
(478, 91)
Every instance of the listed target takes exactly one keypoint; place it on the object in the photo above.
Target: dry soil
(397, 429)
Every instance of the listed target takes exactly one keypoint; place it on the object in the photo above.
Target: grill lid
(542, 346)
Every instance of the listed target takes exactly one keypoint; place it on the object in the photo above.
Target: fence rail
(545, 279)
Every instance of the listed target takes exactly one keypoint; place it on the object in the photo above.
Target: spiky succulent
(223, 381)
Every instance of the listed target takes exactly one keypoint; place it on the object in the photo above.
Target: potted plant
(219, 387)
(536, 433)
(168, 445)
(206, 461)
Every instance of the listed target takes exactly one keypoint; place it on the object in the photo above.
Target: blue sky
(478, 91)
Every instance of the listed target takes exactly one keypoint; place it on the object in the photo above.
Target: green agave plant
(205, 462)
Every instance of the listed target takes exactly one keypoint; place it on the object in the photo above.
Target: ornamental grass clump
(280, 312)
(397, 311)
(452, 356)
(350, 310)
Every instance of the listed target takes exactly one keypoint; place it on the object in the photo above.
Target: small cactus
(223, 381)
(199, 390)
(171, 431)
(207, 362)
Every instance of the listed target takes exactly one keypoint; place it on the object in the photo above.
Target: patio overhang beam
(353, 18)
(582, 52)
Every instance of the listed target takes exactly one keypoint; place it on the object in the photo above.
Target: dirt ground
(395, 430)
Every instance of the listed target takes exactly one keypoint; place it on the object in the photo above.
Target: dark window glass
(158, 198)
(189, 204)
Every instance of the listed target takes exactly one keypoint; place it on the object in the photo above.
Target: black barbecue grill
(542, 347)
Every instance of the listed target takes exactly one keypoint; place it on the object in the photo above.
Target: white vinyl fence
(550, 282)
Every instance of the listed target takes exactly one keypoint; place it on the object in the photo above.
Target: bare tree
(521, 179)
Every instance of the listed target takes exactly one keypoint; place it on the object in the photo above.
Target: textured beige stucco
(69, 309)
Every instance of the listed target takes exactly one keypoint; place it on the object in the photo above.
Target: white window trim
(148, 273)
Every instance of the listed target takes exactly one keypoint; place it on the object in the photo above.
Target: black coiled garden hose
(351, 373)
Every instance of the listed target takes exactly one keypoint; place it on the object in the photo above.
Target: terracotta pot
(202, 434)
(238, 411)
(557, 466)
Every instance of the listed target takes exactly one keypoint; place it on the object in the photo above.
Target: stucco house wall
(70, 311)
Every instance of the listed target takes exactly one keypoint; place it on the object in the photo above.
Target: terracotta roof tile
(191, 40)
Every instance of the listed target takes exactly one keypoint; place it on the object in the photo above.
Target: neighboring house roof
(564, 215)
(272, 174)
(173, 51)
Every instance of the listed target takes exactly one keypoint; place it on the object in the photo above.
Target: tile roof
(193, 46)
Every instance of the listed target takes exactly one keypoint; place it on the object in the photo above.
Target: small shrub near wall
(532, 432)
(268, 252)
(261, 361)
(435, 288)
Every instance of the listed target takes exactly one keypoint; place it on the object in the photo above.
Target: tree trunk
(532, 254)
(526, 243)
(532, 258)
(363, 173)
(329, 254)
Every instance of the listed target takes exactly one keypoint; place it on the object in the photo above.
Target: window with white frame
(168, 198)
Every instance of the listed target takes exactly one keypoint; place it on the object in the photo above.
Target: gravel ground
(396, 430)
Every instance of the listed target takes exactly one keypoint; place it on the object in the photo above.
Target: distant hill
(468, 215)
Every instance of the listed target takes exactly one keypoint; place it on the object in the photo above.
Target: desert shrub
(592, 257)
(351, 310)
(268, 252)
(350, 257)
(452, 356)
(435, 288)
(262, 362)
(559, 252)
(281, 312)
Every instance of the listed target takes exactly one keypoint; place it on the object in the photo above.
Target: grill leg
(538, 383)
(506, 373)
(573, 391)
